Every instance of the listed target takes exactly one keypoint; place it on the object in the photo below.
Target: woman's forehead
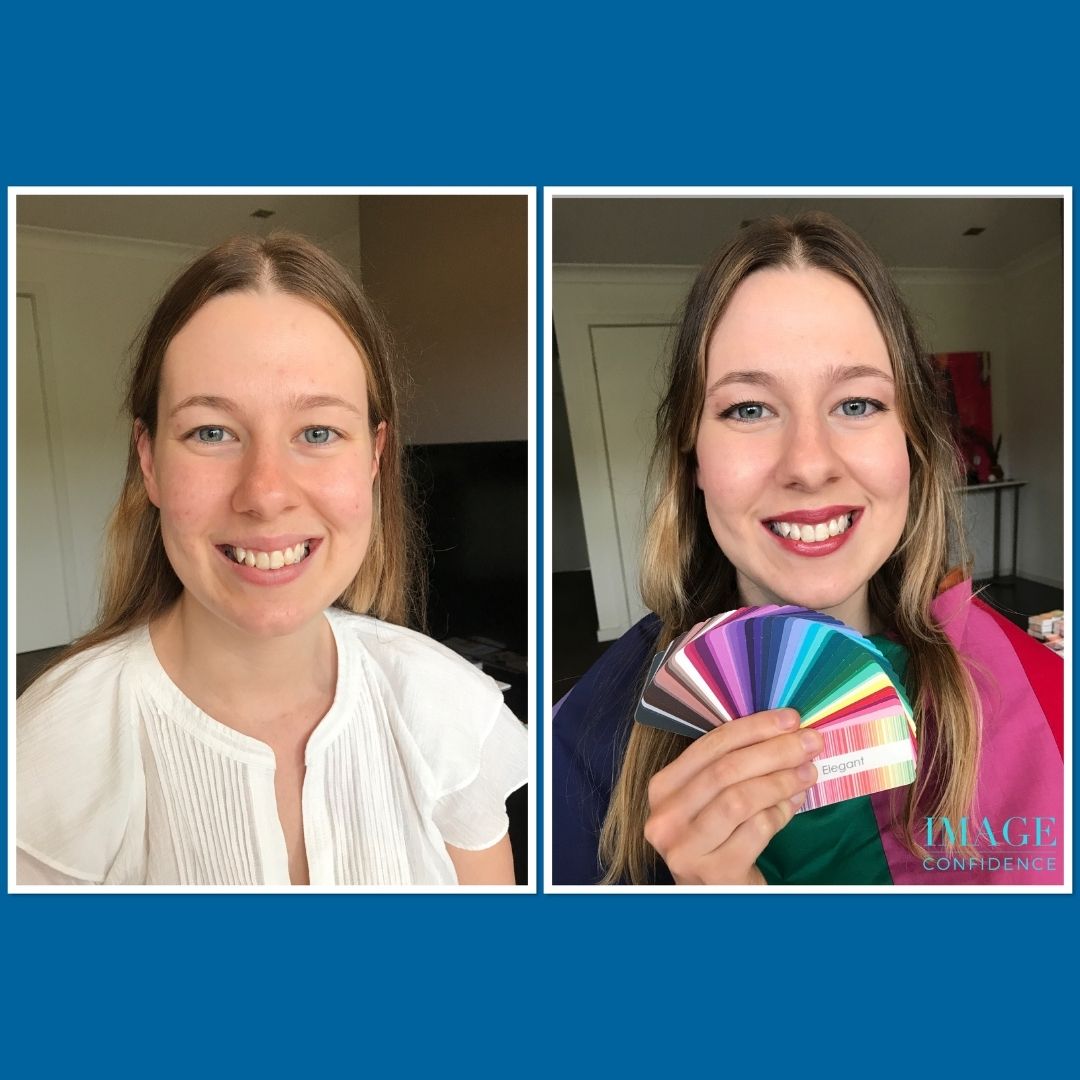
(794, 320)
(262, 341)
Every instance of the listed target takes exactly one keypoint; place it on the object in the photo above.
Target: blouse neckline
(227, 740)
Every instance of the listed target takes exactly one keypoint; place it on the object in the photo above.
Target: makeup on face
(801, 457)
(814, 533)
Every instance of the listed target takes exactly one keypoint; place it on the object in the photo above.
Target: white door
(614, 326)
(41, 598)
(628, 362)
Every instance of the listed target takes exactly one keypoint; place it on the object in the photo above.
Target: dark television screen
(473, 501)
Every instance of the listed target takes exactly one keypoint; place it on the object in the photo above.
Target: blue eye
(745, 412)
(860, 407)
(319, 436)
(210, 434)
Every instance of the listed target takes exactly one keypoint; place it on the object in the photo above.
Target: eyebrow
(770, 382)
(301, 403)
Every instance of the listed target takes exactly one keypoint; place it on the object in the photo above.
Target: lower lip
(817, 548)
(282, 576)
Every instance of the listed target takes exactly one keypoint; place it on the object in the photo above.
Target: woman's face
(264, 461)
(801, 457)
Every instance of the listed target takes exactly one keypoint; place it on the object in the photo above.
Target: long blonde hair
(138, 582)
(685, 577)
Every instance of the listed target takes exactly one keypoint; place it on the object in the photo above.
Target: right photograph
(809, 580)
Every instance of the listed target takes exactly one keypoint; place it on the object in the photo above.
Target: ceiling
(911, 232)
(199, 220)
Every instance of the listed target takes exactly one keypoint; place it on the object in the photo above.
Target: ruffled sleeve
(77, 764)
(471, 751)
(473, 816)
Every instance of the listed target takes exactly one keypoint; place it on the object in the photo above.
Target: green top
(838, 844)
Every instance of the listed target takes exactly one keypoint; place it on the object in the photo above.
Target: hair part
(685, 577)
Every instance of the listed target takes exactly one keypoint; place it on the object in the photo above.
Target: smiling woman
(803, 458)
(817, 458)
(251, 708)
(285, 439)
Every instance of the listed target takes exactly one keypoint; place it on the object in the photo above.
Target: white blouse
(122, 780)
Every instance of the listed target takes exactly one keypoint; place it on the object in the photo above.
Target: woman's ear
(379, 444)
(144, 446)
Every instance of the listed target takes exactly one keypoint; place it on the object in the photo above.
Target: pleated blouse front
(123, 780)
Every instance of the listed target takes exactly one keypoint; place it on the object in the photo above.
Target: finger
(734, 735)
(722, 846)
(722, 818)
(732, 770)
(752, 837)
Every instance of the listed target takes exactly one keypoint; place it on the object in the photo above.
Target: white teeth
(269, 560)
(811, 534)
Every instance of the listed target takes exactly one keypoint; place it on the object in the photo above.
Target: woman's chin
(264, 622)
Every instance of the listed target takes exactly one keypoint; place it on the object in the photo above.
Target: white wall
(91, 295)
(1032, 392)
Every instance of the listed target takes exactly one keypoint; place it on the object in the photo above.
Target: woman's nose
(810, 457)
(265, 486)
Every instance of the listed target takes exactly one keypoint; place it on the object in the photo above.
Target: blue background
(538, 94)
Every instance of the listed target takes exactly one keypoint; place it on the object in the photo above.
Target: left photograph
(271, 471)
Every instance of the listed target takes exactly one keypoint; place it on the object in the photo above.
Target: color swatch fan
(774, 657)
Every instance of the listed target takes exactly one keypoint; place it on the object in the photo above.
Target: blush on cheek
(729, 484)
(899, 481)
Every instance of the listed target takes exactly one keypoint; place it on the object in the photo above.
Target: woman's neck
(245, 681)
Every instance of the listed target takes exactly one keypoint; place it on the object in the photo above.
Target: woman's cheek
(339, 490)
(190, 493)
(896, 471)
(726, 475)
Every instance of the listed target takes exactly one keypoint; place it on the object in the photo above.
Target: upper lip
(813, 517)
(270, 543)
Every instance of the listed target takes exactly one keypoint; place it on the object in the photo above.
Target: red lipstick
(814, 549)
(814, 517)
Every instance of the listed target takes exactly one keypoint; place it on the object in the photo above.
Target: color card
(772, 657)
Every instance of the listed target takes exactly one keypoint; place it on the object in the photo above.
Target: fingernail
(811, 740)
(787, 720)
(797, 799)
(807, 772)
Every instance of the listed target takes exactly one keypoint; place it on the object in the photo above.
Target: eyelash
(729, 413)
(193, 435)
